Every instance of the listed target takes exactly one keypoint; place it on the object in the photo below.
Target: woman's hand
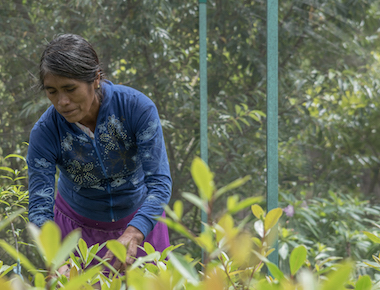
(131, 238)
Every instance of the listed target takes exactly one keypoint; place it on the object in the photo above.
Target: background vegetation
(328, 99)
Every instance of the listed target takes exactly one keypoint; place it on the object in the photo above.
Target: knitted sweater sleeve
(154, 160)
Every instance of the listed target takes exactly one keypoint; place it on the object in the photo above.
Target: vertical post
(203, 89)
(272, 114)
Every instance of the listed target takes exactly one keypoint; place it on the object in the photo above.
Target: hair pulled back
(70, 56)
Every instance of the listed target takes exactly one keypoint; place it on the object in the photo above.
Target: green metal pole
(272, 115)
(203, 83)
(203, 91)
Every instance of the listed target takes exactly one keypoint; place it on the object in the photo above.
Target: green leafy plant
(234, 255)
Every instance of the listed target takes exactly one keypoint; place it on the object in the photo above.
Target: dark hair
(71, 56)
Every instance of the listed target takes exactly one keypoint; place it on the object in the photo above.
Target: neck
(90, 120)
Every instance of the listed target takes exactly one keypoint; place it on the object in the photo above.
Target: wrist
(136, 233)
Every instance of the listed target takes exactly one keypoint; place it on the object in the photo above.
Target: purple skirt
(96, 232)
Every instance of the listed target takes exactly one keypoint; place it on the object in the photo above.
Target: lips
(68, 113)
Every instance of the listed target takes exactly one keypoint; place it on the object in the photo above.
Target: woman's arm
(41, 171)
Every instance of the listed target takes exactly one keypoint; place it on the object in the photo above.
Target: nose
(63, 100)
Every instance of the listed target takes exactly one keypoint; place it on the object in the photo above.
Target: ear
(97, 81)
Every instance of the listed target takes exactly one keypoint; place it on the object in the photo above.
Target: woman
(108, 144)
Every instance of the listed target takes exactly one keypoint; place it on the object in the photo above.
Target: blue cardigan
(125, 167)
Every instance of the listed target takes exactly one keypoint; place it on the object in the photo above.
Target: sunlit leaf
(4, 223)
(82, 245)
(364, 283)
(195, 200)
(372, 237)
(50, 240)
(15, 156)
(39, 280)
(272, 218)
(5, 285)
(178, 208)
(145, 259)
(115, 284)
(275, 271)
(92, 252)
(6, 269)
(183, 266)
(148, 248)
(73, 272)
(165, 252)
(118, 249)
(244, 204)
(203, 178)
(177, 227)
(337, 279)
(257, 211)
(7, 169)
(297, 259)
(68, 245)
(234, 184)
(18, 256)
(79, 281)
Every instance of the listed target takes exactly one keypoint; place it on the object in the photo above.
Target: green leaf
(83, 249)
(79, 281)
(244, 203)
(18, 256)
(337, 279)
(148, 258)
(297, 259)
(237, 109)
(272, 218)
(234, 184)
(275, 271)
(170, 213)
(4, 223)
(257, 211)
(364, 283)
(195, 200)
(15, 156)
(39, 280)
(68, 245)
(92, 252)
(5, 285)
(231, 202)
(169, 249)
(50, 240)
(148, 248)
(203, 178)
(238, 125)
(7, 169)
(177, 227)
(178, 208)
(183, 266)
(244, 121)
(115, 284)
(118, 249)
(6, 269)
(372, 237)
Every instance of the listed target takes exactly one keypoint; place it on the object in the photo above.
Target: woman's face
(75, 100)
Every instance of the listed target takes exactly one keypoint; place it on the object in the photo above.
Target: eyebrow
(63, 87)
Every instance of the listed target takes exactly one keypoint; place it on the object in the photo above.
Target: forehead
(55, 81)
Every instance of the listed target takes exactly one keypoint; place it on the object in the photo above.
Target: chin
(71, 119)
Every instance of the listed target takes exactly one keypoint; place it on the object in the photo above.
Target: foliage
(328, 90)
(330, 227)
(234, 255)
